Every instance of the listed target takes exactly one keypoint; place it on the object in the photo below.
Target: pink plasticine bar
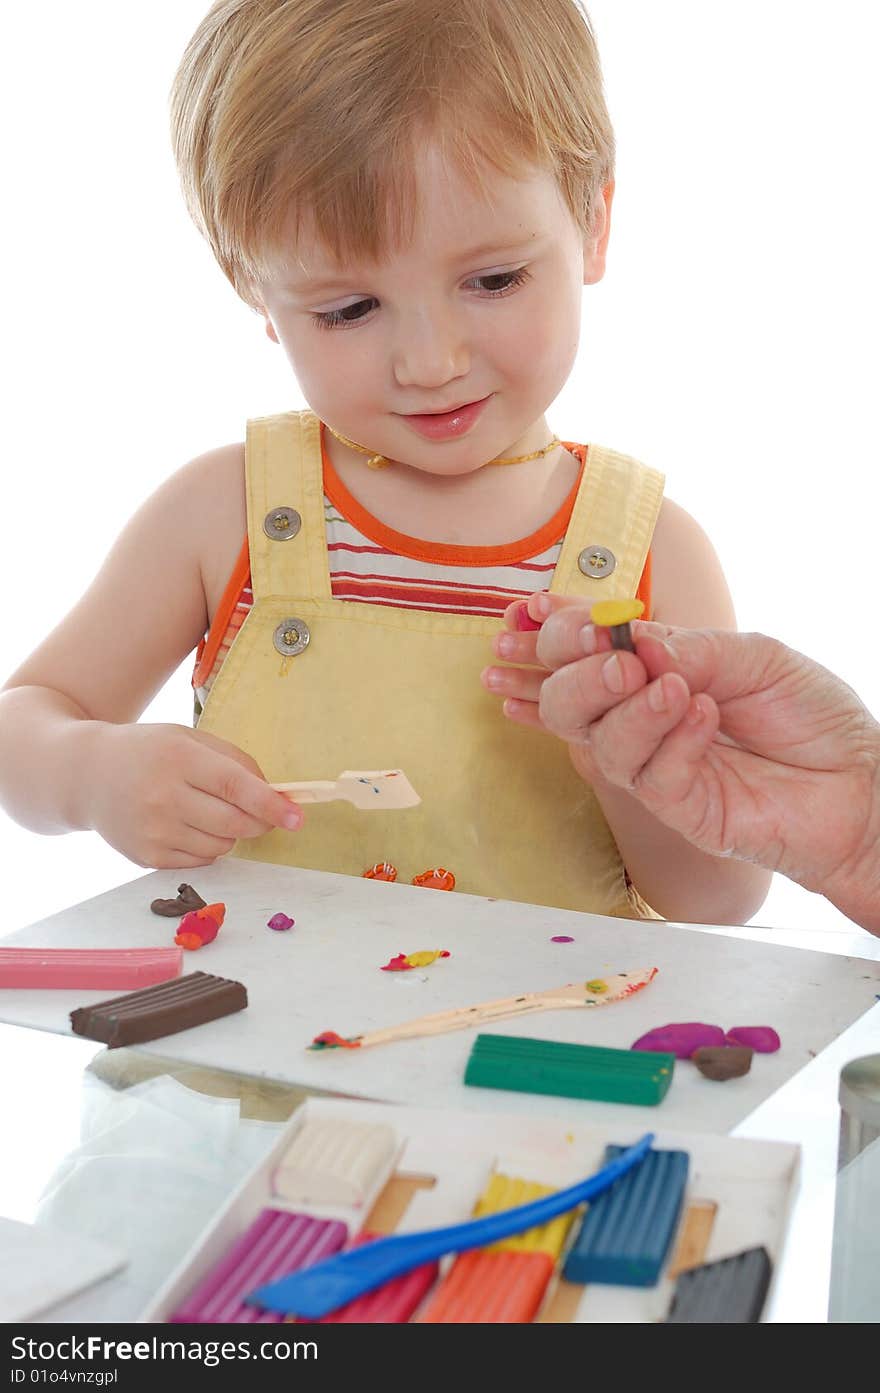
(88, 967)
(276, 1244)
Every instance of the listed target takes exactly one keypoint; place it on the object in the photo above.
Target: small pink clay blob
(681, 1039)
(762, 1038)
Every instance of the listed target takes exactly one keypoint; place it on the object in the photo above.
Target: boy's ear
(270, 328)
(596, 241)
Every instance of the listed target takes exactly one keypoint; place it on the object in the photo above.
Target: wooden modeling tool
(596, 992)
(370, 790)
(615, 615)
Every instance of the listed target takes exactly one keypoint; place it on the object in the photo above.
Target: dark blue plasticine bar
(627, 1232)
(729, 1292)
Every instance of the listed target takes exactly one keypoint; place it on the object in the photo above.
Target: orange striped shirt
(373, 564)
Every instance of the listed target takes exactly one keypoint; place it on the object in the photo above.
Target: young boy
(411, 199)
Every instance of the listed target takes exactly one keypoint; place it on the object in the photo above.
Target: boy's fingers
(204, 845)
(581, 693)
(524, 684)
(568, 636)
(232, 783)
(523, 713)
(218, 818)
(515, 648)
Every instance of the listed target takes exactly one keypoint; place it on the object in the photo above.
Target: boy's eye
(349, 314)
(509, 280)
(494, 285)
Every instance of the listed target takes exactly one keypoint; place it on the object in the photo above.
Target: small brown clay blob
(721, 1062)
(187, 900)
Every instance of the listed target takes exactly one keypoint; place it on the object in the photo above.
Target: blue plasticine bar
(627, 1232)
(729, 1292)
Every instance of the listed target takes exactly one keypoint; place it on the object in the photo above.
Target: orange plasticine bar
(486, 1286)
(82, 968)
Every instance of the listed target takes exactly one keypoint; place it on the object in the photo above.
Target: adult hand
(167, 796)
(745, 747)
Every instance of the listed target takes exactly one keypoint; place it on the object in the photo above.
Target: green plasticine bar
(572, 1071)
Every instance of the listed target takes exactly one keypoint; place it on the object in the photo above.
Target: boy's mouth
(441, 425)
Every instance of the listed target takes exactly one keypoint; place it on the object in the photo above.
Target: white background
(732, 343)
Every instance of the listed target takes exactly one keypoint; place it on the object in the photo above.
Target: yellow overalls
(313, 685)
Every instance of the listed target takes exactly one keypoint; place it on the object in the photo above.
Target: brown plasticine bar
(160, 1010)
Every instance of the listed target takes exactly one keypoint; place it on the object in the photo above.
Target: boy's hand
(546, 635)
(167, 796)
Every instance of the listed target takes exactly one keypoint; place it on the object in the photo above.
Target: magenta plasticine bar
(276, 1244)
(83, 968)
(391, 1304)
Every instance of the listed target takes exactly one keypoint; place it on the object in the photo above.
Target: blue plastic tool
(327, 1285)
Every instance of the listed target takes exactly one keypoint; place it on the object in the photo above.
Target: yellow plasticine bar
(505, 1192)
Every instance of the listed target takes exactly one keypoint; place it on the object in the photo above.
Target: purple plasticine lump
(762, 1038)
(280, 921)
(562, 938)
(681, 1039)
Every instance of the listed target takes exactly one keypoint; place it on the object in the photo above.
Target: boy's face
(483, 304)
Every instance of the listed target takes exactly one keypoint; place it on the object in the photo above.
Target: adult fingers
(629, 736)
(579, 694)
(673, 780)
(718, 661)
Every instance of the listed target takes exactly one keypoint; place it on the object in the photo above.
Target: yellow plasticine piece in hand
(607, 613)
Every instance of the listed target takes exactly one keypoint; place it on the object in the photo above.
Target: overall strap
(611, 527)
(285, 506)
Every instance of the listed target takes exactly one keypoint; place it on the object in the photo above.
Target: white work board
(325, 974)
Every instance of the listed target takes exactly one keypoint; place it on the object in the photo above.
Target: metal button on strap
(281, 524)
(291, 637)
(597, 562)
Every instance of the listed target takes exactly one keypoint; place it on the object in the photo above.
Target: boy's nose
(430, 351)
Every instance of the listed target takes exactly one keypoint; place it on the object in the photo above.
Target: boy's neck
(489, 507)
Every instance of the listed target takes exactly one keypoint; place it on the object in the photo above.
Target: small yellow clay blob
(597, 987)
(607, 613)
(425, 958)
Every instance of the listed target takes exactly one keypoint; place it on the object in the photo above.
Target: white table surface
(325, 974)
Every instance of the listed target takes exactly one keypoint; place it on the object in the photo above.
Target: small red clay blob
(200, 926)
(522, 620)
(330, 1040)
(383, 870)
(437, 879)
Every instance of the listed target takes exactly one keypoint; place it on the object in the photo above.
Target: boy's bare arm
(70, 754)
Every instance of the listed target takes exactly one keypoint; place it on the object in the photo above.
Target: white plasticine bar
(334, 1161)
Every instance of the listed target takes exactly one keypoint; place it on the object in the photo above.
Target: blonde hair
(287, 109)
